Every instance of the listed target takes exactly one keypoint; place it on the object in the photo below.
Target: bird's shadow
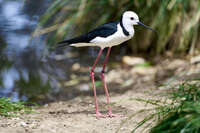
(116, 110)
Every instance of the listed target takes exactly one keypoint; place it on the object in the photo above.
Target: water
(24, 75)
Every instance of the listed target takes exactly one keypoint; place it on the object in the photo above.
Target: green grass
(10, 109)
(146, 64)
(185, 117)
(179, 112)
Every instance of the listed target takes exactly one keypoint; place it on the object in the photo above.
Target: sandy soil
(78, 114)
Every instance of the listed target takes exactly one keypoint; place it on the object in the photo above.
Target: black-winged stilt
(106, 35)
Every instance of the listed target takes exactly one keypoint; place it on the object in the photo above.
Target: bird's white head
(130, 18)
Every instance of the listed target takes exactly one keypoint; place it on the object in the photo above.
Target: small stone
(132, 61)
(143, 70)
(23, 124)
(76, 66)
(195, 60)
(46, 105)
(84, 87)
(176, 64)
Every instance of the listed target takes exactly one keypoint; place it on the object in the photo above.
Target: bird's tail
(74, 41)
(70, 41)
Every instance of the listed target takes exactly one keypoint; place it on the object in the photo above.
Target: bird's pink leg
(110, 114)
(98, 114)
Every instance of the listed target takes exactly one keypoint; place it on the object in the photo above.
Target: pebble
(23, 124)
(195, 60)
(132, 61)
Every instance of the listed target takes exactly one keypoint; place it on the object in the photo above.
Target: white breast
(115, 39)
(103, 42)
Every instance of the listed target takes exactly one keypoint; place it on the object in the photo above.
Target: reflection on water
(23, 74)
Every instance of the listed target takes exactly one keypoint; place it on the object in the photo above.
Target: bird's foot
(110, 114)
(99, 115)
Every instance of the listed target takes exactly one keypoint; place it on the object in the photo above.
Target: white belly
(109, 42)
(115, 39)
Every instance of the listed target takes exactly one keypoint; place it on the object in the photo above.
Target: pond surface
(22, 69)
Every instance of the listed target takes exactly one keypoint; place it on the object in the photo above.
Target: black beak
(139, 23)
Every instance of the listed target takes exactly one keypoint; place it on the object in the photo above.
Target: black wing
(101, 31)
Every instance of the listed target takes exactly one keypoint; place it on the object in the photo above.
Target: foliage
(185, 118)
(179, 114)
(9, 108)
(177, 22)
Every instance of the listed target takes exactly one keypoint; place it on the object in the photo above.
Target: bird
(106, 36)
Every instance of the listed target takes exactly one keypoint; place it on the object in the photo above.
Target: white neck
(128, 27)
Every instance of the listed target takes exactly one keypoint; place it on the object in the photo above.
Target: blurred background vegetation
(177, 22)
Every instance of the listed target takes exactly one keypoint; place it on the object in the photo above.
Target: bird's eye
(132, 18)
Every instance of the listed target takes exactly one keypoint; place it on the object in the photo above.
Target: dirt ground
(78, 114)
